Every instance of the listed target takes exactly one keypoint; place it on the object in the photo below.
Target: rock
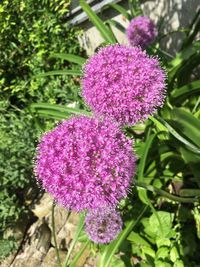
(43, 207)
(37, 248)
(50, 259)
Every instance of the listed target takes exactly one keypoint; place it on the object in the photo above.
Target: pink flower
(103, 225)
(123, 83)
(85, 163)
(141, 31)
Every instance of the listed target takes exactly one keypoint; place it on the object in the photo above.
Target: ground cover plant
(160, 215)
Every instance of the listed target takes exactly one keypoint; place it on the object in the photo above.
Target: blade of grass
(184, 91)
(116, 24)
(187, 124)
(59, 72)
(189, 145)
(69, 57)
(105, 32)
(121, 10)
(59, 108)
(79, 254)
(75, 239)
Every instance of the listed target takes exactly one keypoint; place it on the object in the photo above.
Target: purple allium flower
(103, 225)
(141, 31)
(123, 83)
(85, 163)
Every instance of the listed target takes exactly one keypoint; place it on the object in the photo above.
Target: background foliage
(29, 31)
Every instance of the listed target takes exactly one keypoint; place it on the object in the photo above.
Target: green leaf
(163, 241)
(194, 29)
(105, 32)
(189, 192)
(70, 57)
(185, 91)
(179, 263)
(142, 163)
(137, 239)
(174, 255)
(162, 253)
(79, 254)
(160, 263)
(141, 167)
(116, 24)
(59, 72)
(186, 124)
(110, 250)
(192, 160)
(121, 10)
(179, 137)
(185, 54)
(63, 110)
(149, 251)
(52, 114)
(182, 58)
(166, 220)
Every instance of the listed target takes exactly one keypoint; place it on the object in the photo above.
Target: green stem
(54, 235)
(75, 239)
(77, 257)
(166, 194)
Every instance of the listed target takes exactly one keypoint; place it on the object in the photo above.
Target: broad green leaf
(105, 32)
(163, 241)
(149, 251)
(137, 239)
(111, 249)
(185, 91)
(187, 124)
(162, 253)
(59, 72)
(179, 263)
(121, 10)
(166, 220)
(159, 263)
(174, 255)
(70, 57)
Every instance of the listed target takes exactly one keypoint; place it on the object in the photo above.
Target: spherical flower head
(85, 163)
(123, 83)
(141, 31)
(103, 225)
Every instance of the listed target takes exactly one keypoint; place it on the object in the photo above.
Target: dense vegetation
(161, 216)
(29, 32)
(162, 213)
